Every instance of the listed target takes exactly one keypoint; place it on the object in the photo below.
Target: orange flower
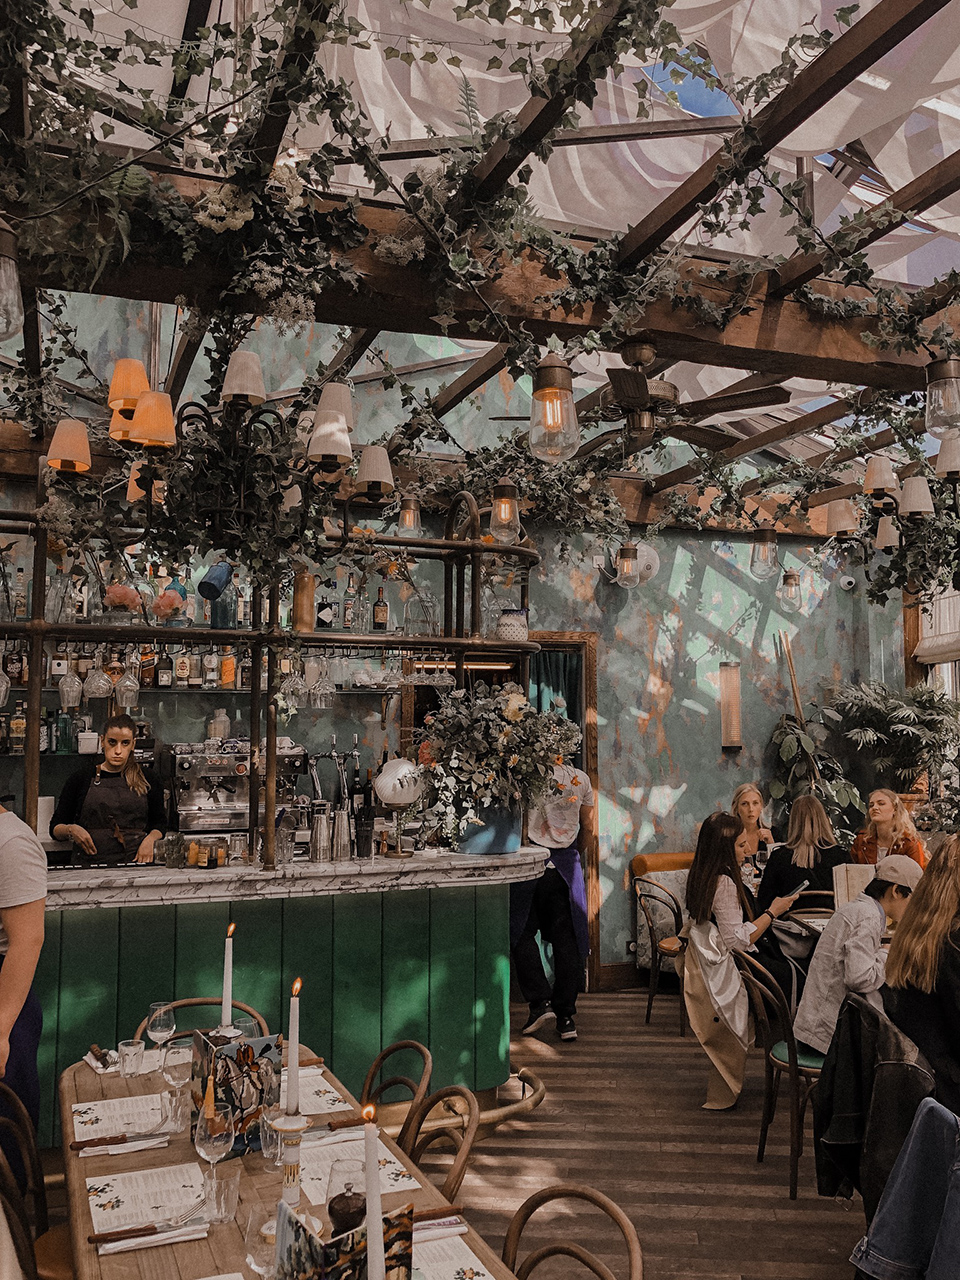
(425, 755)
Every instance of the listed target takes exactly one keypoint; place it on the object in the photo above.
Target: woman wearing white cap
(849, 956)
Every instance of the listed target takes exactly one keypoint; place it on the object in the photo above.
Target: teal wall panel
(357, 986)
(452, 997)
(47, 979)
(307, 953)
(257, 956)
(146, 959)
(405, 979)
(491, 1001)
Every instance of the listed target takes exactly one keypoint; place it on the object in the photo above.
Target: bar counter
(393, 949)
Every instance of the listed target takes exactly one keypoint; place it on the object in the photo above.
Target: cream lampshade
(375, 475)
(335, 407)
(153, 425)
(120, 424)
(948, 459)
(842, 517)
(916, 499)
(880, 477)
(70, 447)
(330, 447)
(888, 535)
(127, 385)
(244, 380)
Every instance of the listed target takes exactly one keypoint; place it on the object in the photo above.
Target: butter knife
(150, 1229)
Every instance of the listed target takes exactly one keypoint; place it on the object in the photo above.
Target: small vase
(500, 832)
(512, 625)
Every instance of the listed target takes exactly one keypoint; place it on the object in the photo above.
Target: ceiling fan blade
(704, 437)
(760, 398)
(629, 388)
(516, 417)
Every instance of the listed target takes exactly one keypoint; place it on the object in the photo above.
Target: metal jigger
(291, 1130)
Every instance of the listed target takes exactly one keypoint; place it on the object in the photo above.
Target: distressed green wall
(661, 768)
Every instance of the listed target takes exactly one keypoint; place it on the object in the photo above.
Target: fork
(150, 1229)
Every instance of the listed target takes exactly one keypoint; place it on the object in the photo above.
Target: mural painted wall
(661, 767)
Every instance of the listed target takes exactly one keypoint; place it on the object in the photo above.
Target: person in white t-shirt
(23, 891)
(555, 906)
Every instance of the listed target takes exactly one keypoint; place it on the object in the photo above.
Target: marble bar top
(149, 886)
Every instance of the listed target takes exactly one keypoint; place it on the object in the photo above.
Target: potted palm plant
(485, 757)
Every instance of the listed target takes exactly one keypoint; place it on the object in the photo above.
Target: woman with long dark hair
(112, 809)
(922, 993)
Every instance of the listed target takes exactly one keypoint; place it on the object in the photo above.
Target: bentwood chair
(52, 1249)
(373, 1092)
(569, 1248)
(455, 1122)
(14, 1220)
(195, 1001)
(774, 1027)
(659, 907)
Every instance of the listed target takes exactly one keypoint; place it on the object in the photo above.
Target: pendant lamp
(70, 447)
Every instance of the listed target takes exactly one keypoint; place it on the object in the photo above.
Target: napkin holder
(246, 1076)
(301, 1254)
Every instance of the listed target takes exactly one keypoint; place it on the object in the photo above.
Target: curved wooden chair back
(18, 1227)
(194, 1001)
(816, 900)
(651, 894)
(459, 1111)
(768, 1004)
(21, 1127)
(569, 1249)
(373, 1092)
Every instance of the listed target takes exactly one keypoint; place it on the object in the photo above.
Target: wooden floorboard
(623, 1114)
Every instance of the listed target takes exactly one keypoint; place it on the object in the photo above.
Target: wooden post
(914, 672)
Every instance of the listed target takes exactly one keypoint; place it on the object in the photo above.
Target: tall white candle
(293, 1052)
(376, 1265)
(226, 1004)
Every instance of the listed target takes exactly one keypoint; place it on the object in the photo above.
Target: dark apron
(116, 818)
(567, 863)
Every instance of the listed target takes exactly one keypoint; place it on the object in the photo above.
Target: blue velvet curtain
(556, 684)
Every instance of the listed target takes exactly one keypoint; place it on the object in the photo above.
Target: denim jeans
(915, 1234)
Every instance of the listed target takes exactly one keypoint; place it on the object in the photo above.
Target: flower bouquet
(488, 751)
(122, 601)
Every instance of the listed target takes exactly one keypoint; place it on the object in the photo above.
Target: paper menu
(112, 1116)
(447, 1259)
(316, 1096)
(317, 1159)
(123, 1200)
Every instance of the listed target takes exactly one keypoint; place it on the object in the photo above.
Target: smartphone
(799, 889)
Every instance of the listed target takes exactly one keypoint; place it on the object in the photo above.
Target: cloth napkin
(196, 1232)
(151, 1062)
(122, 1148)
(439, 1229)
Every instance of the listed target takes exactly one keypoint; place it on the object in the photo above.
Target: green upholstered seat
(808, 1058)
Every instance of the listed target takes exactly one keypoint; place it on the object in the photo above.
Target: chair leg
(796, 1136)
(770, 1091)
(683, 1006)
(809, 1087)
(654, 978)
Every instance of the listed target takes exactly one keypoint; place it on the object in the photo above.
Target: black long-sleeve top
(781, 875)
(75, 789)
(932, 1020)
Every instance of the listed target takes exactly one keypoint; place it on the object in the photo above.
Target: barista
(112, 809)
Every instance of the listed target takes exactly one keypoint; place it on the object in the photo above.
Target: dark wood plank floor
(623, 1114)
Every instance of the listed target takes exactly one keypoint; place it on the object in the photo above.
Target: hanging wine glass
(70, 689)
(97, 684)
(294, 688)
(127, 690)
(323, 688)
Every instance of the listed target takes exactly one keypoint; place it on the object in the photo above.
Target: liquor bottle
(66, 741)
(195, 680)
(245, 670)
(148, 666)
(20, 597)
(331, 586)
(84, 661)
(44, 733)
(228, 667)
(325, 613)
(242, 605)
(59, 664)
(189, 596)
(348, 610)
(181, 669)
(165, 671)
(114, 668)
(13, 664)
(18, 730)
(223, 610)
(381, 612)
(211, 669)
(4, 733)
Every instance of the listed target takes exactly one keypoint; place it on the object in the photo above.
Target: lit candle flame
(295, 989)
(230, 930)
(369, 1113)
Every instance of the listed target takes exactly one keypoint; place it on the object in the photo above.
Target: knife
(150, 1229)
(83, 1144)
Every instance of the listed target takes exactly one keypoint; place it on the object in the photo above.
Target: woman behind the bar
(112, 810)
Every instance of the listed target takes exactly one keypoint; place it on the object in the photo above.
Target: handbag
(795, 942)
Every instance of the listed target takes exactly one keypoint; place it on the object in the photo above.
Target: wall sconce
(634, 564)
(505, 512)
(916, 499)
(554, 430)
(942, 416)
(790, 597)
(731, 732)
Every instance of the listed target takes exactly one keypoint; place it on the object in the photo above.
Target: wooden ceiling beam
(852, 53)
(350, 353)
(481, 371)
(839, 491)
(834, 458)
(187, 349)
(195, 18)
(752, 444)
(932, 187)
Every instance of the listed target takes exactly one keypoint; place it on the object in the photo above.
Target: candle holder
(291, 1130)
(226, 1034)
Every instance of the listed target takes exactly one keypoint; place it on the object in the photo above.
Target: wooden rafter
(752, 444)
(350, 352)
(481, 371)
(834, 458)
(874, 35)
(187, 350)
(937, 184)
(836, 492)
(539, 116)
(195, 18)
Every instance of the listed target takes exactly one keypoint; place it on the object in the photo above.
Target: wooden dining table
(222, 1252)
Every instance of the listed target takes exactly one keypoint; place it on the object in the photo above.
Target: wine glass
(176, 1064)
(214, 1137)
(259, 1238)
(161, 1022)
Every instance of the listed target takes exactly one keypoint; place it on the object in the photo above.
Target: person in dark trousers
(555, 906)
(23, 891)
(112, 810)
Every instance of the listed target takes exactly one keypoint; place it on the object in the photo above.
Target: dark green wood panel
(257, 952)
(357, 968)
(307, 953)
(452, 943)
(146, 959)
(200, 930)
(405, 1011)
(492, 978)
(46, 983)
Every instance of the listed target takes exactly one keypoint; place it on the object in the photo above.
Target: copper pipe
(270, 781)
(31, 746)
(476, 578)
(256, 666)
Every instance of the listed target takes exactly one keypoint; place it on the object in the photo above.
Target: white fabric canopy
(940, 631)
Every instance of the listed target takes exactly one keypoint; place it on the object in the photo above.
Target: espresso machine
(210, 783)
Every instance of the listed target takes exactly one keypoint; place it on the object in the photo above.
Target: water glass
(270, 1143)
(221, 1191)
(176, 1064)
(174, 1111)
(259, 1238)
(161, 1022)
(247, 1026)
(214, 1136)
(131, 1057)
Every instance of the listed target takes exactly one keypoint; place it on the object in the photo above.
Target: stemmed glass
(260, 1237)
(214, 1137)
(97, 684)
(161, 1022)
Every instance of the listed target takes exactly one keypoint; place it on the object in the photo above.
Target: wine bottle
(165, 671)
(381, 612)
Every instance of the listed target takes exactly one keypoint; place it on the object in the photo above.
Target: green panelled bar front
(426, 964)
